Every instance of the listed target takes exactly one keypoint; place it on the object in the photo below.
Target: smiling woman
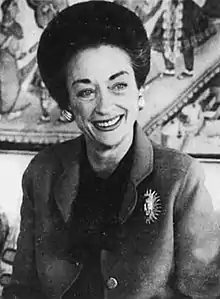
(110, 215)
(104, 97)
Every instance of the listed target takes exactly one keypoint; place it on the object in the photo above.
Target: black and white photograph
(110, 149)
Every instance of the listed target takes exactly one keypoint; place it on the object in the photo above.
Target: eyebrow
(85, 81)
(112, 77)
(118, 74)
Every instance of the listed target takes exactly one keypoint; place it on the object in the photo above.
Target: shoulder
(173, 165)
(53, 158)
(171, 159)
(56, 153)
(183, 175)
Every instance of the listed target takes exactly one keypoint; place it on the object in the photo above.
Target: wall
(12, 165)
(212, 177)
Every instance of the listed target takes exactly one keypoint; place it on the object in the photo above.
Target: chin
(113, 140)
(109, 139)
(108, 143)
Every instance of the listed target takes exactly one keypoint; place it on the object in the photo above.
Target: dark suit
(166, 244)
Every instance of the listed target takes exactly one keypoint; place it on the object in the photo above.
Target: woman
(109, 214)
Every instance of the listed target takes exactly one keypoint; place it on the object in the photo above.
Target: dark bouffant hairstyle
(85, 25)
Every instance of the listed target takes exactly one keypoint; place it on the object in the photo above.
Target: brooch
(152, 206)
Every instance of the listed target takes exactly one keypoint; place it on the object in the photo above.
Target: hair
(97, 23)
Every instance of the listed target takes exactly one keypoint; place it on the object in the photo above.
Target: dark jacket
(167, 241)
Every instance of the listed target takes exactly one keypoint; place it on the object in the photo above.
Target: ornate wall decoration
(28, 114)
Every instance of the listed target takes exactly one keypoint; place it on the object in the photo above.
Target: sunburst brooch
(152, 206)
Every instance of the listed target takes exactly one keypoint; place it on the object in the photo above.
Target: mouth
(108, 125)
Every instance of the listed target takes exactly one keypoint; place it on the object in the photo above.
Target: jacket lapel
(66, 187)
(142, 167)
(143, 156)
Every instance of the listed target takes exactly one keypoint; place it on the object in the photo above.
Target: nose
(104, 101)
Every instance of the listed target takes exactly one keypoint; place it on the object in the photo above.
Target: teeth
(105, 124)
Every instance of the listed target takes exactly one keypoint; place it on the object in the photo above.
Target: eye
(86, 94)
(119, 86)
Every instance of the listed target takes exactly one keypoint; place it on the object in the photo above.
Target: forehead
(104, 60)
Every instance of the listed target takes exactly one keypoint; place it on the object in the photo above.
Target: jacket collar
(142, 166)
(66, 187)
(143, 156)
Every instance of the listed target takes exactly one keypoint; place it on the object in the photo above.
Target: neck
(104, 160)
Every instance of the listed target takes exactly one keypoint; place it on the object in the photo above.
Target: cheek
(133, 102)
(81, 110)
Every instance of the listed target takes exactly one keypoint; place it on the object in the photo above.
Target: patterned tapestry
(27, 112)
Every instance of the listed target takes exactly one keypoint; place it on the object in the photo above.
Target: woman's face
(103, 94)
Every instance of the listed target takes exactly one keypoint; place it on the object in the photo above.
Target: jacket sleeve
(24, 282)
(197, 239)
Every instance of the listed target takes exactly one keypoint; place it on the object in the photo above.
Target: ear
(141, 101)
(66, 115)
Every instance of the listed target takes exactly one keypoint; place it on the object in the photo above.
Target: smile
(108, 125)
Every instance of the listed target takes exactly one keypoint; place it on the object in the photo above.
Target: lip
(108, 127)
